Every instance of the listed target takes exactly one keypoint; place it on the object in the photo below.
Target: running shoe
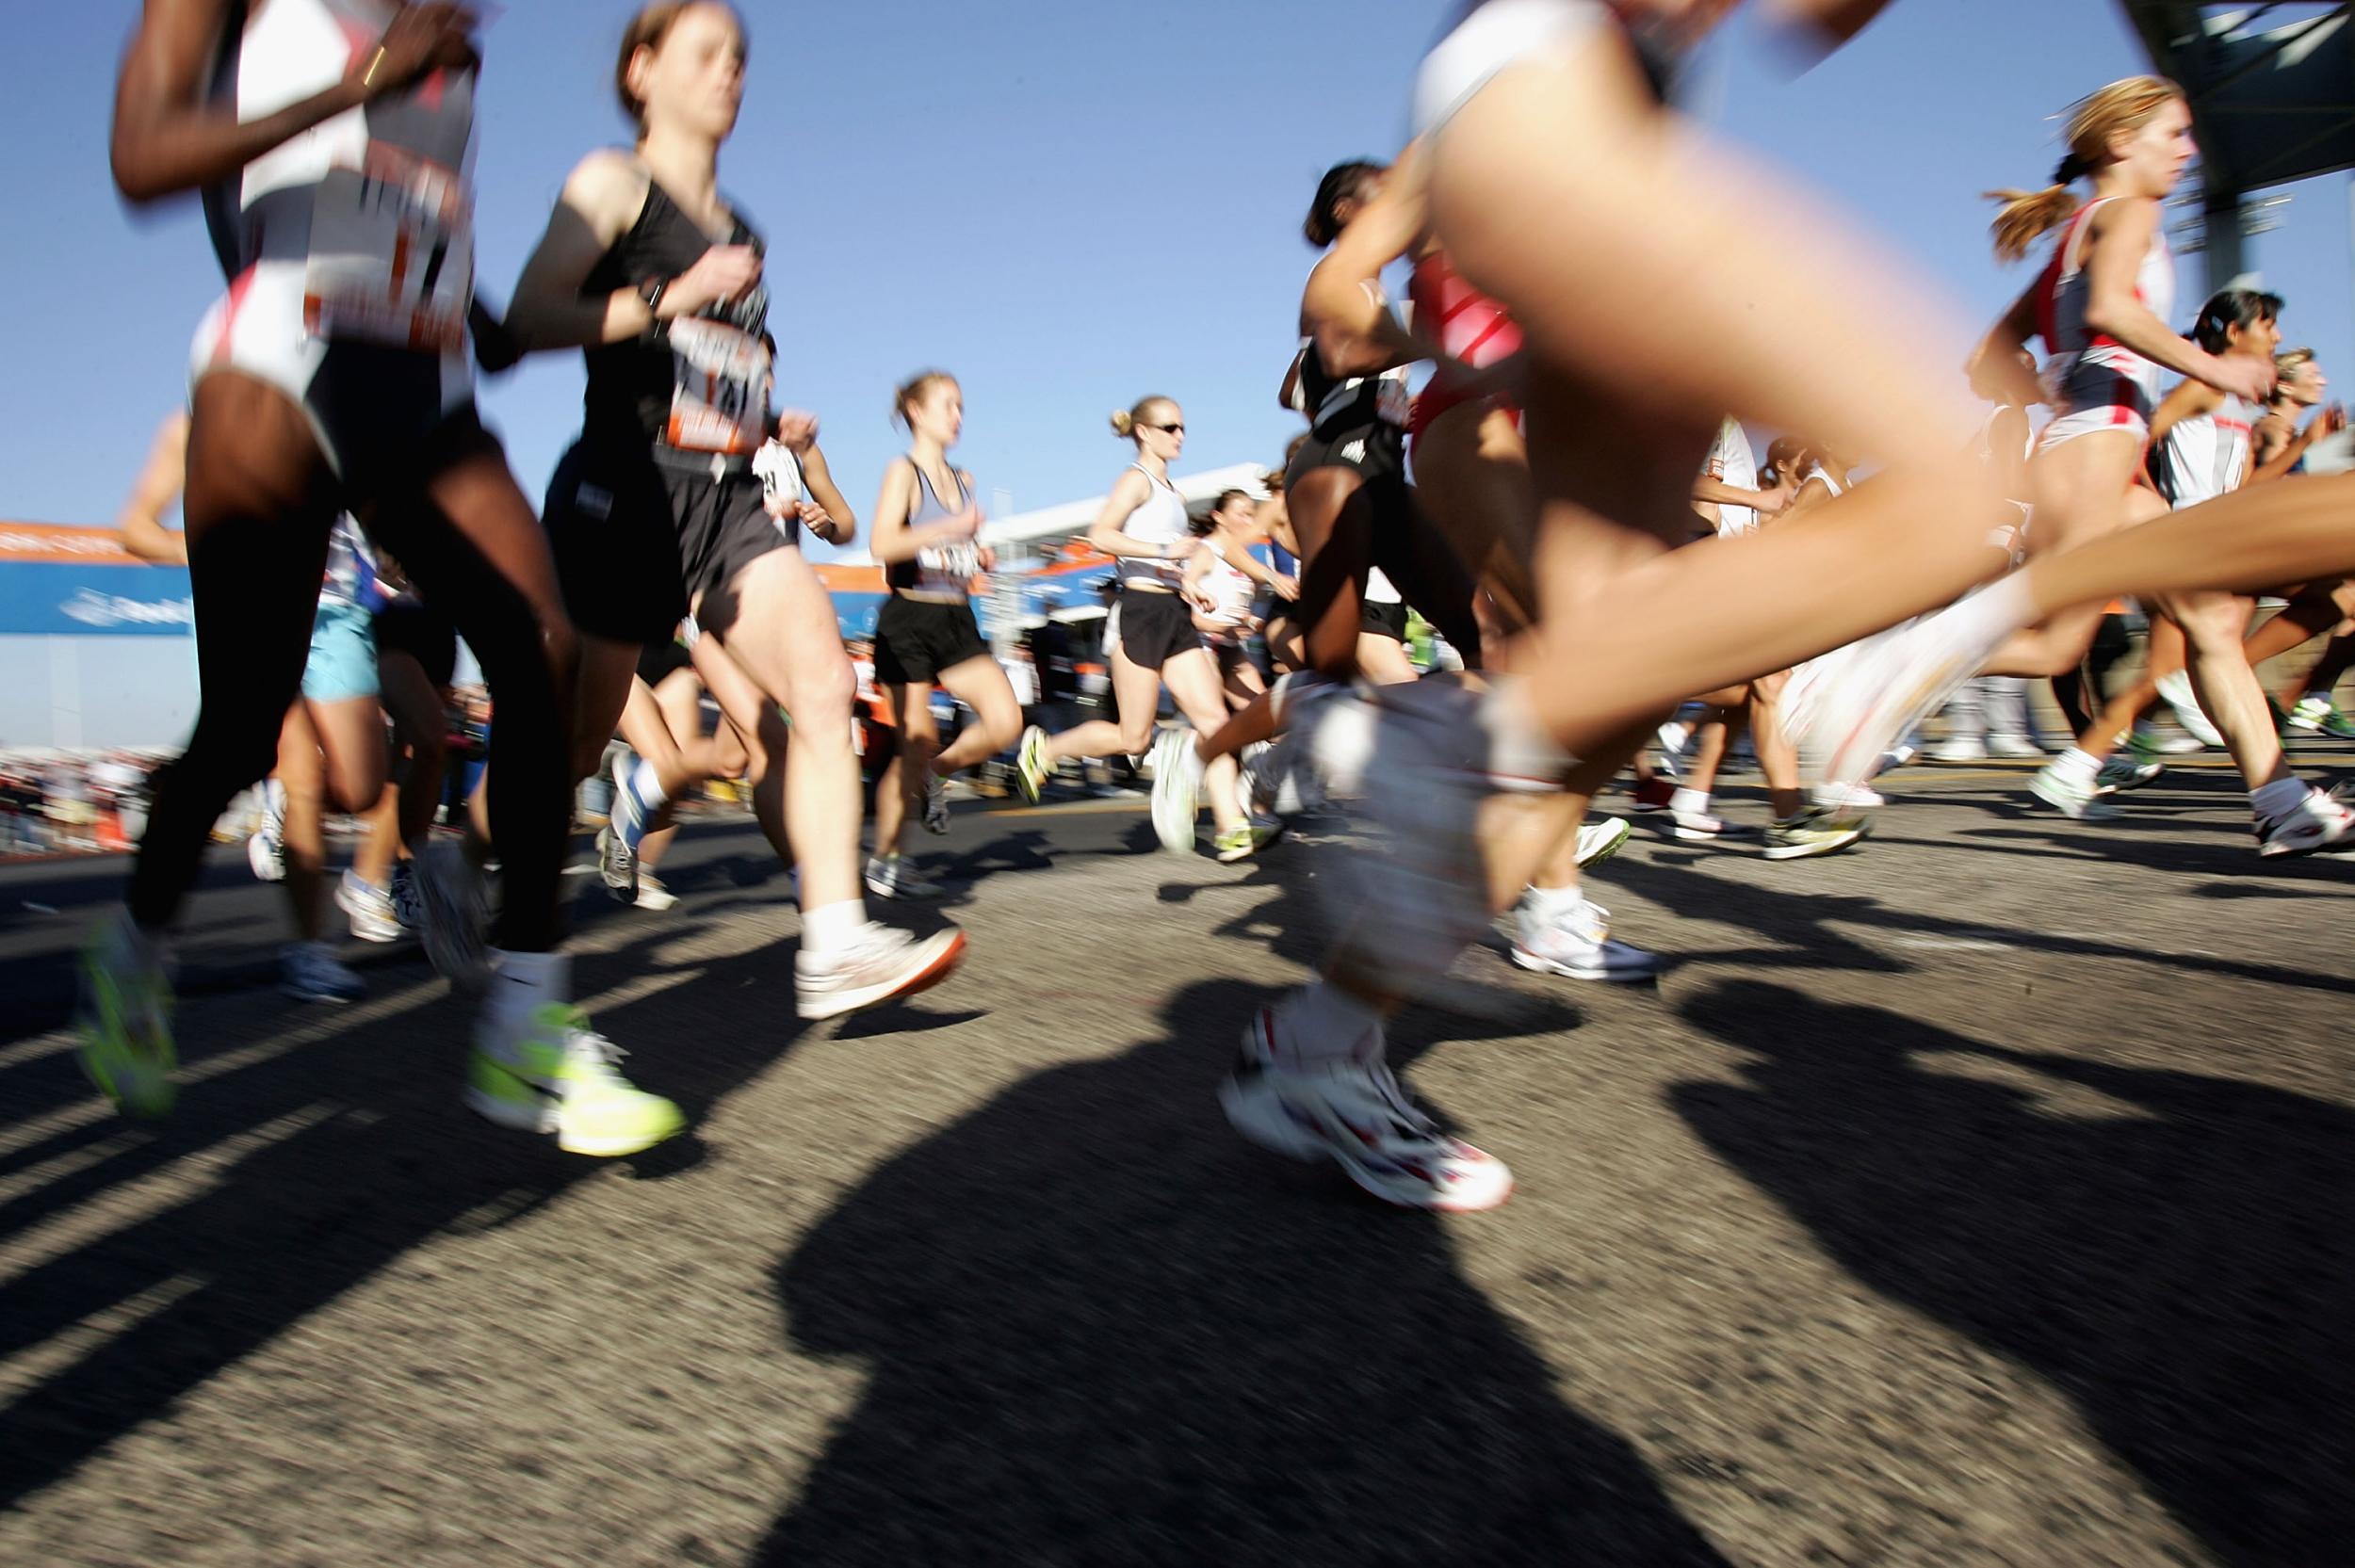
(266, 851)
(1177, 790)
(2125, 771)
(1351, 1109)
(124, 1017)
(652, 895)
(1961, 748)
(311, 972)
(1577, 944)
(1244, 840)
(1654, 794)
(2281, 715)
(450, 890)
(1673, 736)
(1847, 711)
(895, 877)
(1817, 832)
(936, 805)
(2071, 794)
(2320, 715)
(2170, 746)
(1697, 827)
(1849, 797)
(2319, 824)
(554, 1074)
(2175, 691)
(1598, 840)
(634, 806)
(875, 966)
(408, 903)
(1030, 764)
(2014, 746)
(373, 916)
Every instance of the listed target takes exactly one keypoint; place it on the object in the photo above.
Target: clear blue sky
(1068, 204)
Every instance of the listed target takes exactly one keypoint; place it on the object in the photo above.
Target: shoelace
(589, 1054)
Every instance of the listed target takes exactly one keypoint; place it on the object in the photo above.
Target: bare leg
(303, 775)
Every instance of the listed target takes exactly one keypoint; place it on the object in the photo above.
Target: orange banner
(57, 543)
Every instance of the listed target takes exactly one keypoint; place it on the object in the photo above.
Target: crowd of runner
(1571, 504)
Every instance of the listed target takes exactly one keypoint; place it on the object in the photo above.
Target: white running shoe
(1843, 799)
(1578, 943)
(2123, 772)
(548, 1071)
(875, 966)
(1847, 711)
(1031, 768)
(1350, 1110)
(266, 851)
(2071, 794)
(451, 890)
(1697, 827)
(1177, 790)
(2014, 746)
(2319, 824)
(311, 972)
(1810, 833)
(2175, 691)
(1598, 840)
(1961, 748)
(895, 877)
(936, 805)
(373, 917)
(652, 895)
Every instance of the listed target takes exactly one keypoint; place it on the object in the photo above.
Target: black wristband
(651, 291)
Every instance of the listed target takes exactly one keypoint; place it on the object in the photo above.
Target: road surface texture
(1980, 1196)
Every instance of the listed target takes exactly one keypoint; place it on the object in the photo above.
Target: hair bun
(2069, 169)
(1123, 422)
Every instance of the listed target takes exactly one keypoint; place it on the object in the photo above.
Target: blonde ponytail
(1124, 423)
(2122, 106)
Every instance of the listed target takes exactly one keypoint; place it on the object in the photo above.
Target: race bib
(950, 564)
(720, 380)
(391, 253)
(1392, 403)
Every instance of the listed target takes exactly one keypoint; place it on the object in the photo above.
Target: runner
(1144, 526)
(2305, 700)
(313, 395)
(657, 513)
(1224, 579)
(399, 881)
(926, 634)
(668, 754)
(2200, 444)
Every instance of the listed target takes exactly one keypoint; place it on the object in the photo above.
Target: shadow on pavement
(310, 1168)
(1102, 1329)
(2172, 1255)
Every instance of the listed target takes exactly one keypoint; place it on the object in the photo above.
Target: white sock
(2077, 763)
(1322, 1022)
(1521, 754)
(521, 983)
(649, 786)
(1689, 802)
(833, 925)
(1995, 611)
(2278, 799)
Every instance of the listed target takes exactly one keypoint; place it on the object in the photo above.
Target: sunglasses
(1172, 430)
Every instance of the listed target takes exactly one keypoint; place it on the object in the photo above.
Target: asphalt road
(1980, 1196)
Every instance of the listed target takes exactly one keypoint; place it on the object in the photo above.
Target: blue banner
(72, 598)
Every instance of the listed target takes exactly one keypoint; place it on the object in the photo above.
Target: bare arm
(1104, 533)
(843, 523)
(139, 528)
(2122, 236)
(1250, 566)
(1718, 492)
(1342, 308)
(2186, 400)
(2289, 448)
(1833, 22)
(1998, 353)
(168, 139)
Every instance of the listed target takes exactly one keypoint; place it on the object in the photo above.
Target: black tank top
(700, 383)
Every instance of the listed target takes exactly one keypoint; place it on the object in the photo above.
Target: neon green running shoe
(124, 1018)
(556, 1075)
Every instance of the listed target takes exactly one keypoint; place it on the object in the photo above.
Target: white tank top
(1160, 519)
(2088, 370)
(1817, 474)
(373, 205)
(2207, 456)
(1229, 589)
(1380, 589)
(1732, 462)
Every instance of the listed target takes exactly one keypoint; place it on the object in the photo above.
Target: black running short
(659, 661)
(1232, 655)
(406, 625)
(1155, 626)
(1377, 451)
(1383, 619)
(638, 533)
(916, 639)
